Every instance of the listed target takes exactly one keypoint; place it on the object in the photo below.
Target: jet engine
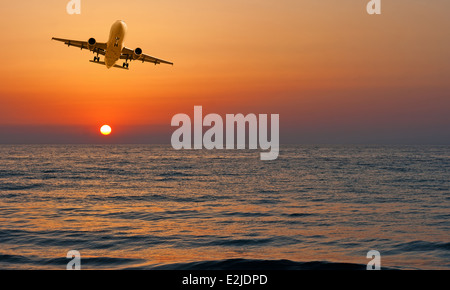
(137, 53)
(91, 43)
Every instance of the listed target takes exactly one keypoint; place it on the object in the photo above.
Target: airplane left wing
(97, 47)
(129, 54)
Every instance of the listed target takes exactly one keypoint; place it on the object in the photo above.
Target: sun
(105, 130)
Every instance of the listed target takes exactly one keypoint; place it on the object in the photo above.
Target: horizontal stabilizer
(103, 63)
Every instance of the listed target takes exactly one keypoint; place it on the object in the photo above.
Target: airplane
(113, 50)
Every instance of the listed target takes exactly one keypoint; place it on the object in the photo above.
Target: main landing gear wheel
(96, 58)
(125, 65)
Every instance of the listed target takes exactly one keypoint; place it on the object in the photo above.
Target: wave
(22, 262)
(255, 265)
(18, 186)
(416, 246)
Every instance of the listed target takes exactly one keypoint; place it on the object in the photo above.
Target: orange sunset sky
(334, 73)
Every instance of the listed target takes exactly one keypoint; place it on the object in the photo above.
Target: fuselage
(114, 45)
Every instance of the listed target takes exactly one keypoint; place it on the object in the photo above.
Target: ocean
(152, 207)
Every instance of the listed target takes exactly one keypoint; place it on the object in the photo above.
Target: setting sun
(105, 130)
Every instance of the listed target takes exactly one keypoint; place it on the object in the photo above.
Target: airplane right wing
(128, 53)
(97, 47)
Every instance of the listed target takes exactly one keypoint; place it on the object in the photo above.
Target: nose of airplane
(121, 24)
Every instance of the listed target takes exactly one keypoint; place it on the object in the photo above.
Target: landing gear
(96, 59)
(125, 65)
